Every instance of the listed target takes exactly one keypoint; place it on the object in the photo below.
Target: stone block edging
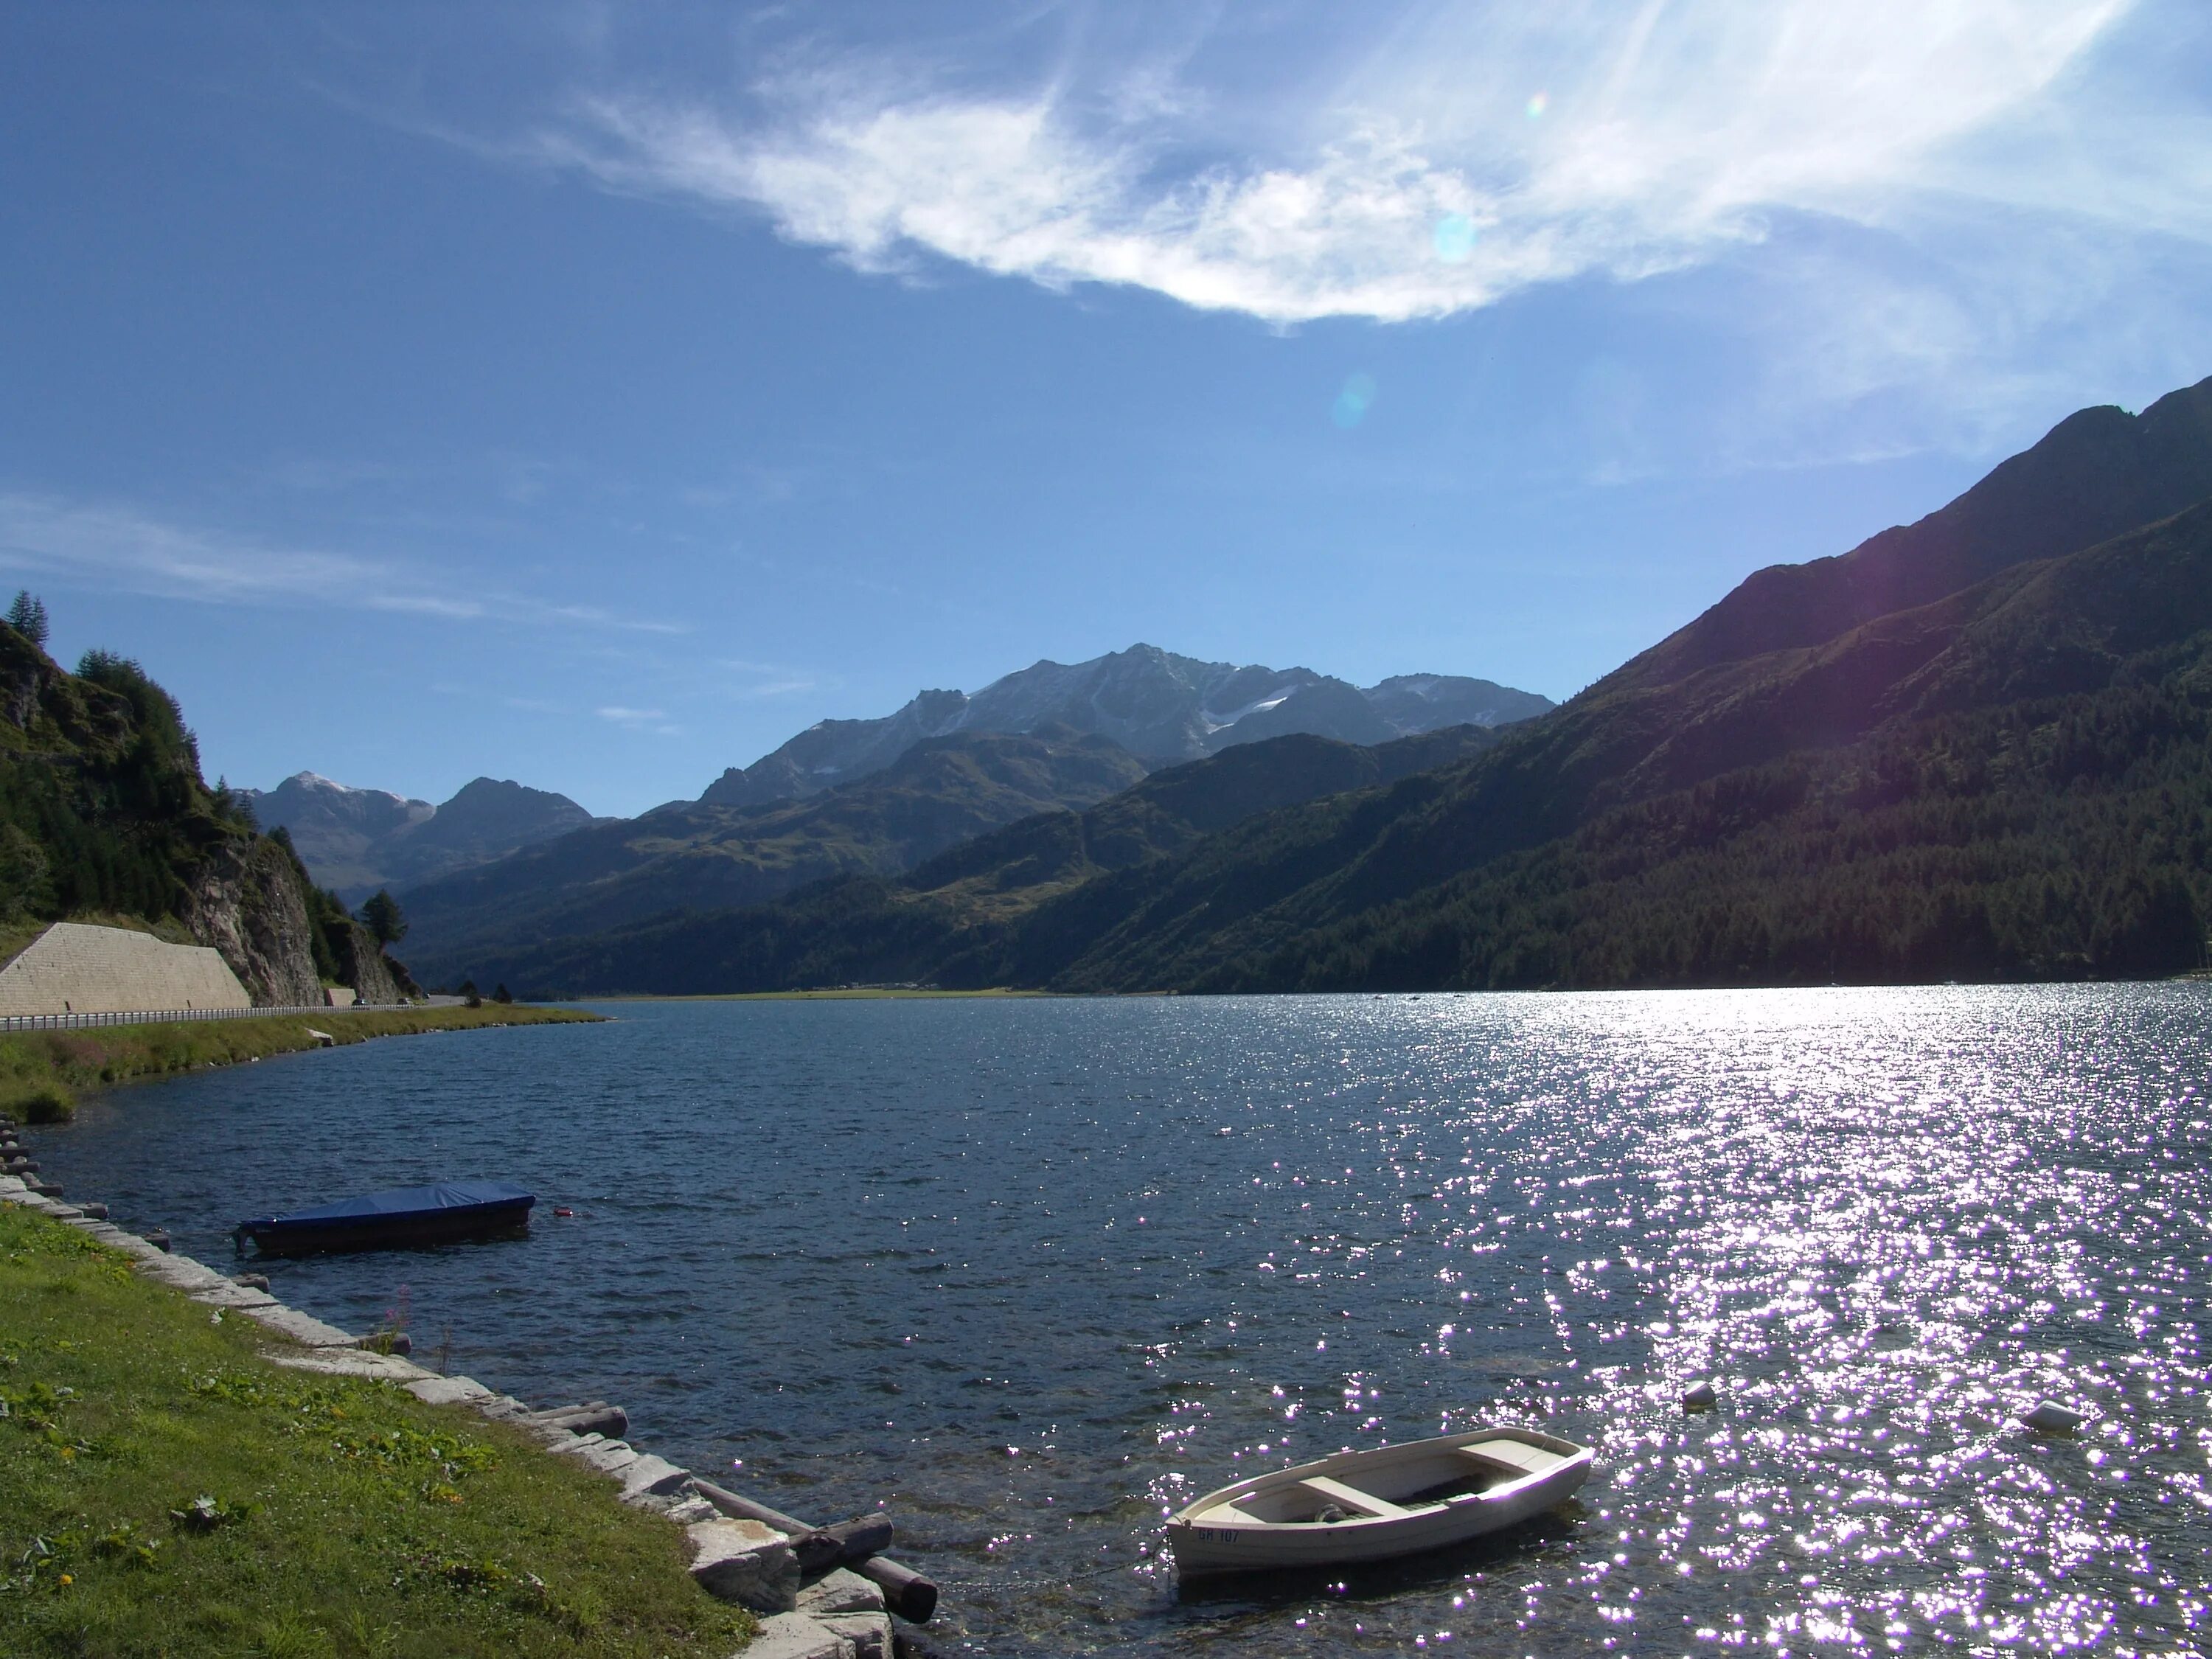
(744, 1561)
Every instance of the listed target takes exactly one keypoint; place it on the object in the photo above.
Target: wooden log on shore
(906, 1592)
(845, 1542)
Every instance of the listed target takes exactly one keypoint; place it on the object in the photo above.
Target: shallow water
(1035, 1272)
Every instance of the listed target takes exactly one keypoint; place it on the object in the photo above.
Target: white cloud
(1669, 132)
(778, 689)
(621, 716)
(121, 547)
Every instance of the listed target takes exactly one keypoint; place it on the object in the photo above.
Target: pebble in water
(2051, 1418)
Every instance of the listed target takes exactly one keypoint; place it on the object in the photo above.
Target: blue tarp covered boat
(401, 1215)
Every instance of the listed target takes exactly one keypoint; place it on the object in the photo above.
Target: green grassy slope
(164, 1490)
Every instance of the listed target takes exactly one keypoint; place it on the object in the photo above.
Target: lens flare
(1538, 105)
(1454, 237)
(1351, 406)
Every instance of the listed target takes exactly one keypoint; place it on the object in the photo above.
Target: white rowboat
(1372, 1505)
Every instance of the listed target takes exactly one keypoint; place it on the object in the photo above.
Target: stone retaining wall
(73, 969)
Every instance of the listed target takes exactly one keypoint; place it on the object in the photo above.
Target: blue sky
(597, 395)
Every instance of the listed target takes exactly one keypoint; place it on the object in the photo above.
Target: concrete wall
(74, 968)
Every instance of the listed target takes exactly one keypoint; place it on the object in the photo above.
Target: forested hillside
(104, 817)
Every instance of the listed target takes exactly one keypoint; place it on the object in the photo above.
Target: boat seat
(1222, 1515)
(1513, 1454)
(1352, 1498)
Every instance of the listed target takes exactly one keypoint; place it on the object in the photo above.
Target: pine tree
(28, 616)
(382, 916)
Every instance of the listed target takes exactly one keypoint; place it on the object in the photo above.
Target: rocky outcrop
(54, 710)
(364, 966)
(244, 901)
(25, 676)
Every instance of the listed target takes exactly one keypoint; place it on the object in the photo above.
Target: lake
(1034, 1272)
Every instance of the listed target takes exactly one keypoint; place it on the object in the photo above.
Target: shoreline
(781, 1587)
(464, 1509)
(42, 1071)
(850, 993)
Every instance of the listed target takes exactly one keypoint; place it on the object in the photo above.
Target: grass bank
(40, 1071)
(854, 994)
(165, 1490)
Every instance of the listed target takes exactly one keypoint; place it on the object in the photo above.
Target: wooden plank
(1513, 1454)
(1352, 1498)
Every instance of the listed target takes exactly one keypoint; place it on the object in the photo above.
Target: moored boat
(1373, 1505)
(446, 1213)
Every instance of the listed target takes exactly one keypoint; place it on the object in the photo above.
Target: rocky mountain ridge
(355, 841)
(1160, 707)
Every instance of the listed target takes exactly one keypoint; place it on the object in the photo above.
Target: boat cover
(407, 1200)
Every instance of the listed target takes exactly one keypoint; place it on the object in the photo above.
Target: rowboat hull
(407, 1216)
(1376, 1505)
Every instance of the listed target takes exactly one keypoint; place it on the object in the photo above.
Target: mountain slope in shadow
(873, 928)
(691, 855)
(1973, 746)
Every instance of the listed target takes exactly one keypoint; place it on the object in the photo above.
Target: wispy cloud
(1477, 151)
(768, 679)
(621, 716)
(778, 689)
(121, 546)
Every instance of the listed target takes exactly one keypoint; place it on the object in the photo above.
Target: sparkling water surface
(1031, 1273)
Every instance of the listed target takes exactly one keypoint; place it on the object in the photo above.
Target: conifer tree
(382, 916)
(28, 616)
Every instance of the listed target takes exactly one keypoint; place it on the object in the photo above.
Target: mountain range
(1977, 746)
(501, 867)
(355, 841)
(1157, 705)
(694, 854)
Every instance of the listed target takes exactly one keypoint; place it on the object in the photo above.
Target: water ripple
(1037, 1273)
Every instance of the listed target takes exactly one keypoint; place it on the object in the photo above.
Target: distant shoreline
(41, 1072)
(864, 994)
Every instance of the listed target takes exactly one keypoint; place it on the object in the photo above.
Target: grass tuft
(40, 1101)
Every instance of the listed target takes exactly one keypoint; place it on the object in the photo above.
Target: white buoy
(2051, 1418)
(1699, 1397)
